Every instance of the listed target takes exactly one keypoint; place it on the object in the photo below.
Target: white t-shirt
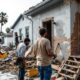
(21, 49)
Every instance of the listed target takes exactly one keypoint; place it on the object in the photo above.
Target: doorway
(48, 26)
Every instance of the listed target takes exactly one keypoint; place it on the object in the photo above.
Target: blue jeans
(45, 72)
(21, 73)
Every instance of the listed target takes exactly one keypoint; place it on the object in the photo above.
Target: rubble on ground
(7, 66)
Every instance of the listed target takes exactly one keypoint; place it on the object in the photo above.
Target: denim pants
(21, 74)
(45, 72)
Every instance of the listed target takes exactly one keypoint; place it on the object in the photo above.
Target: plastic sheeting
(8, 76)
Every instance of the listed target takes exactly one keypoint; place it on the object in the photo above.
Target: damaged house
(62, 20)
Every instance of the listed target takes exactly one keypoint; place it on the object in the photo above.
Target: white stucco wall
(7, 41)
(61, 16)
(21, 25)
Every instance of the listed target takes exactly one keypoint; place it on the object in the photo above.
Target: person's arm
(28, 52)
(32, 50)
(49, 50)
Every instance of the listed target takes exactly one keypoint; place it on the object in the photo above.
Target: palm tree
(3, 19)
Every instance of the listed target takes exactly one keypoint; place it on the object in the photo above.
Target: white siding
(7, 41)
(21, 25)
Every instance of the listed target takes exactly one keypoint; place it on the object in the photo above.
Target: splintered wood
(70, 69)
(9, 66)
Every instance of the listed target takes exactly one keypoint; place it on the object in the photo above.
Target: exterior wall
(75, 24)
(21, 25)
(7, 41)
(60, 31)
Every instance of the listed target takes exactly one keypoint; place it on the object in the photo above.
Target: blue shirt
(21, 49)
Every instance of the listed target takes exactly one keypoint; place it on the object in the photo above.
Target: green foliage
(2, 34)
(3, 18)
(7, 30)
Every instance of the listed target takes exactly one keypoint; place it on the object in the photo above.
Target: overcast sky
(14, 8)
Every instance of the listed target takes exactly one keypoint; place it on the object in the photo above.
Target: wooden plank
(74, 74)
(75, 56)
(72, 66)
(55, 67)
(68, 70)
(64, 75)
(60, 78)
(73, 61)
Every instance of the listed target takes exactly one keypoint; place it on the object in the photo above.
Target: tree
(3, 19)
(7, 30)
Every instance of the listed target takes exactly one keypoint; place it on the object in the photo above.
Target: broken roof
(41, 7)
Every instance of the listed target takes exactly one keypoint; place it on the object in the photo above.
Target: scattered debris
(70, 69)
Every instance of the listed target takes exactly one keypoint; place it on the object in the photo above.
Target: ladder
(70, 69)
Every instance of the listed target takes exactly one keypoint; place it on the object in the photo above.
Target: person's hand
(54, 56)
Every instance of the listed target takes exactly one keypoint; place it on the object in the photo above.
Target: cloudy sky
(14, 8)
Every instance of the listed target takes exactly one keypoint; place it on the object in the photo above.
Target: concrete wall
(60, 31)
(7, 41)
(22, 24)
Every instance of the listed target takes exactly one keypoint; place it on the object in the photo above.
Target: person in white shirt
(20, 52)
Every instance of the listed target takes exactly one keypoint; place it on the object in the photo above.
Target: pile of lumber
(70, 69)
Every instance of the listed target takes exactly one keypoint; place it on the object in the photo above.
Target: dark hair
(26, 40)
(42, 31)
(16, 34)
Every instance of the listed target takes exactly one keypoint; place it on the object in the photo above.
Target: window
(20, 34)
(2, 40)
(27, 31)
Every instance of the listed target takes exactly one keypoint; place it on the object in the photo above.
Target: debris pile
(7, 60)
(70, 69)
